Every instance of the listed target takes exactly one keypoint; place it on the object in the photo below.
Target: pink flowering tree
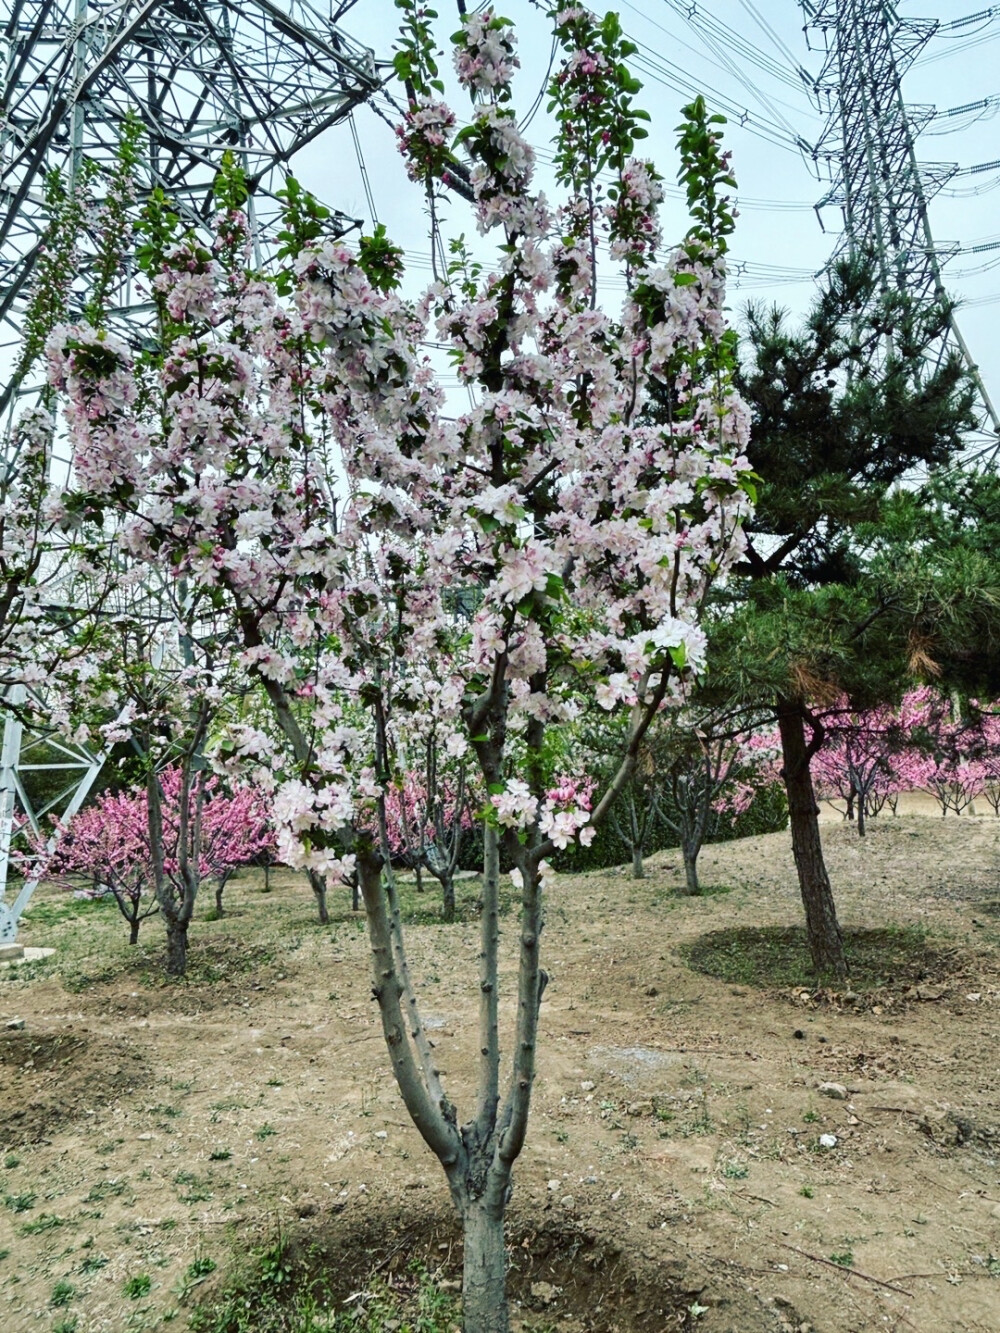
(863, 755)
(108, 841)
(296, 462)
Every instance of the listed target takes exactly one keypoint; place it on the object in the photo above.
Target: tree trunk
(638, 870)
(861, 816)
(418, 875)
(177, 944)
(484, 1270)
(318, 883)
(826, 944)
(850, 808)
(356, 893)
(133, 932)
(448, 897)
(218, 897)
(691, 884)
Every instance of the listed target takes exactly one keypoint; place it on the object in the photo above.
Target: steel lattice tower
(868, 156)
(260, 77)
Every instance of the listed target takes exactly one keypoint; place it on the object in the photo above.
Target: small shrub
(20, 1203)
(62, 1293)
(137, 1287)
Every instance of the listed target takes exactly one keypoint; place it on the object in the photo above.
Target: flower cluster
(565, 815)
(485, 54)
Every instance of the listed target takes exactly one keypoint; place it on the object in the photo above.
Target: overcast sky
(745, 56)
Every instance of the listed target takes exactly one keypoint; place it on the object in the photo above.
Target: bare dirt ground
(674, 1177)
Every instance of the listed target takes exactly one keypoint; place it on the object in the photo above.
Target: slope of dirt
(675, 1173)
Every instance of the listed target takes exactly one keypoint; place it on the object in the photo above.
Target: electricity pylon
(259, 78)
(867, 154)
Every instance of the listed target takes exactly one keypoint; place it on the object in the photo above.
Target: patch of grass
(219, 1155)
(265, 1132)
(137, 1287)
(844, 1258)
(168, 1112)
(735, 1170)
(810, 1116)
(68, 1325)
(4, 1254)
(11, 1161)
(779, 956)
(105, 1189)
(20, 1203)
(94, 1263)
(807, 1192)
(274, 1295)
(44, 1222)
(62, 1293)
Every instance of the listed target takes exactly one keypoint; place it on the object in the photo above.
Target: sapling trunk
(826, 944)
(638, 870)
(484, 1270)
(691, 883)
(133, 931)
(448, 897)
(318, 885)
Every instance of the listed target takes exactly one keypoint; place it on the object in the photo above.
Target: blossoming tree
(297, 461)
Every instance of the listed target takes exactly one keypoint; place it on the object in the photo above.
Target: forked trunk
(638, 870)
(826, 944)
(318, 883)
(484, 1270)
(177, 946)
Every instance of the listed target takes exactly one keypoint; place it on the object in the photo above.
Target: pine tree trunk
(318, 883)
(826, 943)
(638, 870)
(484, 1270)
(133, 932)
(177, 945)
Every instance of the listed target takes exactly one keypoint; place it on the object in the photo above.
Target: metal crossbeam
(257, 77)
